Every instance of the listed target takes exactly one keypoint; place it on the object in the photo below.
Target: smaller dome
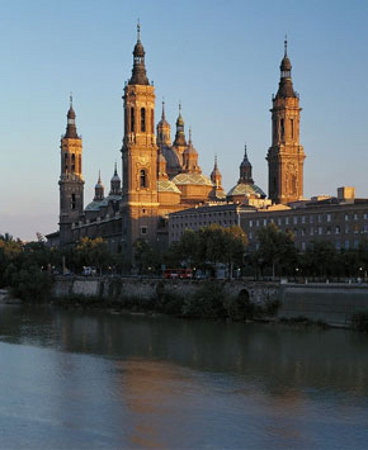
(247, 190)
(95, 205)
(192, 178)
(167, 186)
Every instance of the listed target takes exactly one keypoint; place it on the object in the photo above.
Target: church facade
(161, 177)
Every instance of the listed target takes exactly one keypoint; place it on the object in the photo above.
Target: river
(91, 380)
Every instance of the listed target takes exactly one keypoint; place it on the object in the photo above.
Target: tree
(320, 259)
(91, 252)
(210, 245)
(277, 250)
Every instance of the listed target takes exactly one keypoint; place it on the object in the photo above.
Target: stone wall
(143, 288)
(333, 304)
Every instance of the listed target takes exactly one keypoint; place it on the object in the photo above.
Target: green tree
(92, 252)
(277, 250)
(320, 259)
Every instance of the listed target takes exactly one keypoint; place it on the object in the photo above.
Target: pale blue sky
(221, 59)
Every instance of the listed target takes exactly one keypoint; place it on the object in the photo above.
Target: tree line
(28, 268)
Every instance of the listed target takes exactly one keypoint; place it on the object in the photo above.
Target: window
(347, 244)
(365, 216)
(338, 245)
(143, 179)
(286, 220)
(320, 230)
(152, 121)
(295, 220)
(346, 217)
(66, 161)
(143, 120)
(355, 216)
(264, 222)
(311, 219)
(73, 162)
(132, 119)
(328, 231)
(292, 128)
(303, 219)
(279, 221)
(250, 223)
(73, 202)
(303, 246)
(328, 217)
(282, 127)
(337, 229)
(143, 230)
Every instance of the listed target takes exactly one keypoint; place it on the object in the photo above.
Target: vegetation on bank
(210, 301)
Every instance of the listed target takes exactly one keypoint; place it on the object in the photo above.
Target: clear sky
(220, 59)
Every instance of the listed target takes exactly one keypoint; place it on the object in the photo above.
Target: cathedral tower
(71, 181)
(286, 156)
(139, 155)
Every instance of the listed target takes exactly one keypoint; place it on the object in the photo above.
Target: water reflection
(160, 382)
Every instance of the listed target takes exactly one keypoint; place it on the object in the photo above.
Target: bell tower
(71, 180)
(286, 156)
(139, 155)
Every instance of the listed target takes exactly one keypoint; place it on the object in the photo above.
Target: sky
(219, 59)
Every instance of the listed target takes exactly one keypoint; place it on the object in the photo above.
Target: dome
(192, 178)
(167, 186)
(246, 190)
(95, 205)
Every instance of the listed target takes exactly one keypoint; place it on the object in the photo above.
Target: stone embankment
(145, 288)
(333, 304)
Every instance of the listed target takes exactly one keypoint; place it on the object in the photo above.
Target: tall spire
(115, 183)
(180, 136)
(139, 74)
(99, 188)
(286, 85)
(71, 129)
(245, 169)
(285, 46)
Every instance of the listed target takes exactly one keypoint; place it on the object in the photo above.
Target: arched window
(143, 120)
(66, 162)
(73, 162)
(143, 179)
(292, 128)
(132, 119)
(282, 126)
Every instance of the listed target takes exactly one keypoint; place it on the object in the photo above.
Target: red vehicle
(182, 274)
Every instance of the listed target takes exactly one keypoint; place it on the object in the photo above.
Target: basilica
(161, 176)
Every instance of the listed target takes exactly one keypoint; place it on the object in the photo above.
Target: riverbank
(332, 304)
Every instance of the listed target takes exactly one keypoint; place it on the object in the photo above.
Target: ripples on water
(93, 380)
